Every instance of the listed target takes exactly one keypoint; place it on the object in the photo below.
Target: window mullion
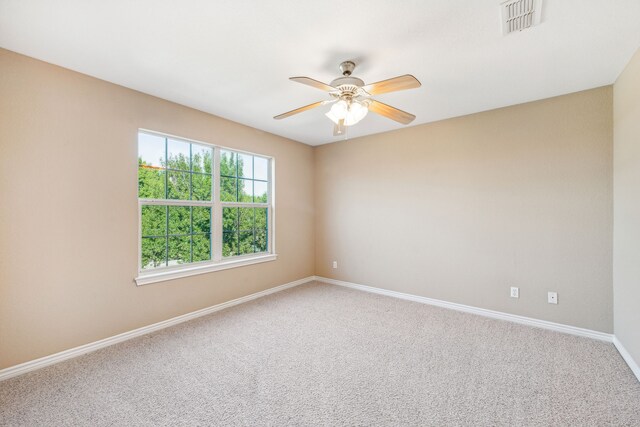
(191, 198)
(166, 196)
(244, 205)
(216, 229)
(270, 197)
(175, 202)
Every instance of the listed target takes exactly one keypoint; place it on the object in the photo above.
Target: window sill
(161, 276)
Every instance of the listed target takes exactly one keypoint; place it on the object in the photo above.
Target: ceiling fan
(352, 100)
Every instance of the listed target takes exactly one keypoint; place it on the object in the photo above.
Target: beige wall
(68, 213)
(462, 209)
(626, 202)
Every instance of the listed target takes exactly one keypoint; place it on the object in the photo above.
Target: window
(202, 208)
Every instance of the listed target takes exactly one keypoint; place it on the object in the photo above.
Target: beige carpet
(324, 355)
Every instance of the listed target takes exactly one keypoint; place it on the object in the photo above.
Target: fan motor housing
(347, 85)
(347, 81)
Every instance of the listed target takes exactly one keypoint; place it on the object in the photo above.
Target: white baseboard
(627, 357)
(558, 327)
(97, 345)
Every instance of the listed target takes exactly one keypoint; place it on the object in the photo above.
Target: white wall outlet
(552, 297)
(335, 264)
(515, 292)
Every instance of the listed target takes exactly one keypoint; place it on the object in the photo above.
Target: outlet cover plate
(515, 292)
(552, 297)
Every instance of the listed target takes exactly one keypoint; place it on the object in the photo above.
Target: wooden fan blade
(299, 110)
(339, 129)
(391, 85)
(391, 112)
(314, 83)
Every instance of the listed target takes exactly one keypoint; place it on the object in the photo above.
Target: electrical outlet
(515, 292)
(335, 264)
(552, 297)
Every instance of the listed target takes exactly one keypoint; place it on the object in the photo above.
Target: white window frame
(217, 262)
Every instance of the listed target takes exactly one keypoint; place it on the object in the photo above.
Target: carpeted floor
(325, 355)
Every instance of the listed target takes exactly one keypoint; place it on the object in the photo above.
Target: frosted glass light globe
(357, 111)
(340, 110)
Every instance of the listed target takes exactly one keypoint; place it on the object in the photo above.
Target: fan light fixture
(349, 114)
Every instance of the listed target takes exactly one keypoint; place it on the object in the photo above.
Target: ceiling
(232, 58)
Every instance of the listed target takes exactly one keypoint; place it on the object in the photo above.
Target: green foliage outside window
(243, 178)
(178, 170)
(244, 231)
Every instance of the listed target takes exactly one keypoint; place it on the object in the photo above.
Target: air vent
(518, 15)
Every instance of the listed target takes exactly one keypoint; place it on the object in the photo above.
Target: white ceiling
(232, 58)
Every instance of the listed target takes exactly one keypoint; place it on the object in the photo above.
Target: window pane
(245, 218)
(261, 240)
(260, 192)
(229, 219)
(151, 183)
(201, 186)
(201, 247)
(245, 245)
(201, 158)
(179, 250)
(154, 221)
(179, 155)
(260, 168)
(201, 220)
(179, 220)
(228, 163)
(178, 185)
(228, 192)
(245, 166)
(151, 150)
(154, 252)
(261, 218)
(245, 190)
(230, 243)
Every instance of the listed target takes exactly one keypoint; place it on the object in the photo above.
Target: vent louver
(518, 15)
